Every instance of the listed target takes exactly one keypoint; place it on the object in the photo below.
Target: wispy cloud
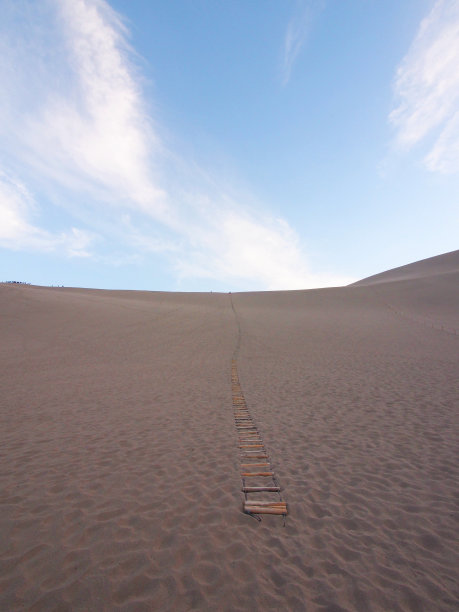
(17, 207)
(77, 130)
(89, 129)
(251, 251)
(297, 32)
(427, 88)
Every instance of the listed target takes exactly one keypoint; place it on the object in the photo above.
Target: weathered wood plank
(260, 489)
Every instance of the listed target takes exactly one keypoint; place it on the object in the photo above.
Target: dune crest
(432, 266)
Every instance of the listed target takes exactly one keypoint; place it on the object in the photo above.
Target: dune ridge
(448, 263)
(120, 486)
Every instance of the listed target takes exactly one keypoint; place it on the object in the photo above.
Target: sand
(120, 484)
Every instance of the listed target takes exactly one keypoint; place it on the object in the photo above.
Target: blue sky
(200, 145)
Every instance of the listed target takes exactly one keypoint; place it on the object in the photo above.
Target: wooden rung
(250, 445)
(254, 464)
(254, 507)
(260, 489)
(263, 504)
(265, 510)
(257, 473)
(255, 502)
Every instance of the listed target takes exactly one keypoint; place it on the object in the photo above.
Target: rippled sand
(120, 483)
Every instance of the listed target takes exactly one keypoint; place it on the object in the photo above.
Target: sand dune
(447, 263)
(120, 486)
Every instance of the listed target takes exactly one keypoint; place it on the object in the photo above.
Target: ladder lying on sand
(255, 463)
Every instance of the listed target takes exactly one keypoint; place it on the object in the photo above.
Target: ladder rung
(265, 509)
(260, 489)
(250, 445)
(265, 503)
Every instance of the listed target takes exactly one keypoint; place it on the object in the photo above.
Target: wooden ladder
(255, 464)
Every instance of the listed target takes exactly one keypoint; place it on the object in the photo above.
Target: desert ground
(120, 480)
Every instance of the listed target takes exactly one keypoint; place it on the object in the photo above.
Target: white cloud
(297, 31)
(238, 246)
(74, 124)
(252, 251)
(444, 156)
(17, 206)
(427, 86)
(105, 134)
(15, 203)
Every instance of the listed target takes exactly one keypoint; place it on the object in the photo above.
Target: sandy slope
(448, 263)
(120, 486)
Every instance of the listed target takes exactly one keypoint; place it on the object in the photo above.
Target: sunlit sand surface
(120, 483)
